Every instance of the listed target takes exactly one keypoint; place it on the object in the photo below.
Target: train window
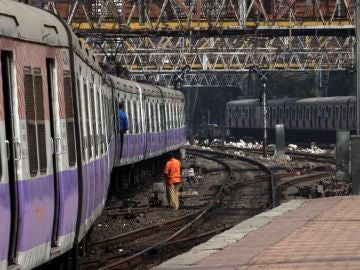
(163, 117)
(103, 121)
(177, 115)
(287, 113)
(107, 102)
(157, 123)
(156, 118)
(152, 117)
(159, 116)
(307, 114)
(98, 121)
(87, 118)
(138, 120)
(69, 115)
(330, 112)
(128, 111)
(344, 112)
(350, 112)
(80, 119)
(174, 115)
(281, 113)
(135, 125)
(130, 115)
(337, 113)
(135, 122)
(93, 119)
(274, 113)
(171, 115)
(166, 116)
(31, 124)
(147, 118)
(40, 119)
(293, 114)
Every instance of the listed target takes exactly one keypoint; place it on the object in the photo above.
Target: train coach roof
(242, 102)
(281, 101)
(25, 22)
(124, 85)
(325, 100)
(147, 89)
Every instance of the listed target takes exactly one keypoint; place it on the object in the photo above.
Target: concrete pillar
(280, 140)
(355, 164)
(182, 154)
(342, 155)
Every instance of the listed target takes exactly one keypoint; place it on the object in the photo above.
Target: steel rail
(119, 262)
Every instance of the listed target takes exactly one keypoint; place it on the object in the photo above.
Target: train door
(55, 135)
(8, 176)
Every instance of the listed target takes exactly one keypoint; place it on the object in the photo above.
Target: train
(59, 134)
(312, 119)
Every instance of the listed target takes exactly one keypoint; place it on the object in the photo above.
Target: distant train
(59, 136)
(309, 118)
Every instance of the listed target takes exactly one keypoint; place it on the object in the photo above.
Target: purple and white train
(315, 118)
(58, 134)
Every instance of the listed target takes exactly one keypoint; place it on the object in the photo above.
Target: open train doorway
(8, 157)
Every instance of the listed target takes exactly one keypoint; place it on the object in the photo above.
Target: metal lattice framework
(155, 39)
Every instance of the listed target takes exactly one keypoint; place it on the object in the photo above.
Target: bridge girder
(156, 39)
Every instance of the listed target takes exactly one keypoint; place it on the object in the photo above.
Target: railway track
(258, 190)
(136, 246)
(325, 158)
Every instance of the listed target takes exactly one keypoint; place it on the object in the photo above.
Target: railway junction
(227, 188)
(243, 205)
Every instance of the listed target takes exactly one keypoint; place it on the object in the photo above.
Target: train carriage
(59, 137)
(38, 129)
(312, 118)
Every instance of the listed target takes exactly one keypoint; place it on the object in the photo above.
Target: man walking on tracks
(172, 175)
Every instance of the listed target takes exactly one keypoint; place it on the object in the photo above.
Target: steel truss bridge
(155, 39)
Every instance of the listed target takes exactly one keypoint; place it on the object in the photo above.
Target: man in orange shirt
(172, 175)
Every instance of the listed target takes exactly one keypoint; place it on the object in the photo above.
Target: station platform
(300, 234)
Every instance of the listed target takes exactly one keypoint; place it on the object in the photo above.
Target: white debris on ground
(313, 149)
(292, 147)
(243, 144)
